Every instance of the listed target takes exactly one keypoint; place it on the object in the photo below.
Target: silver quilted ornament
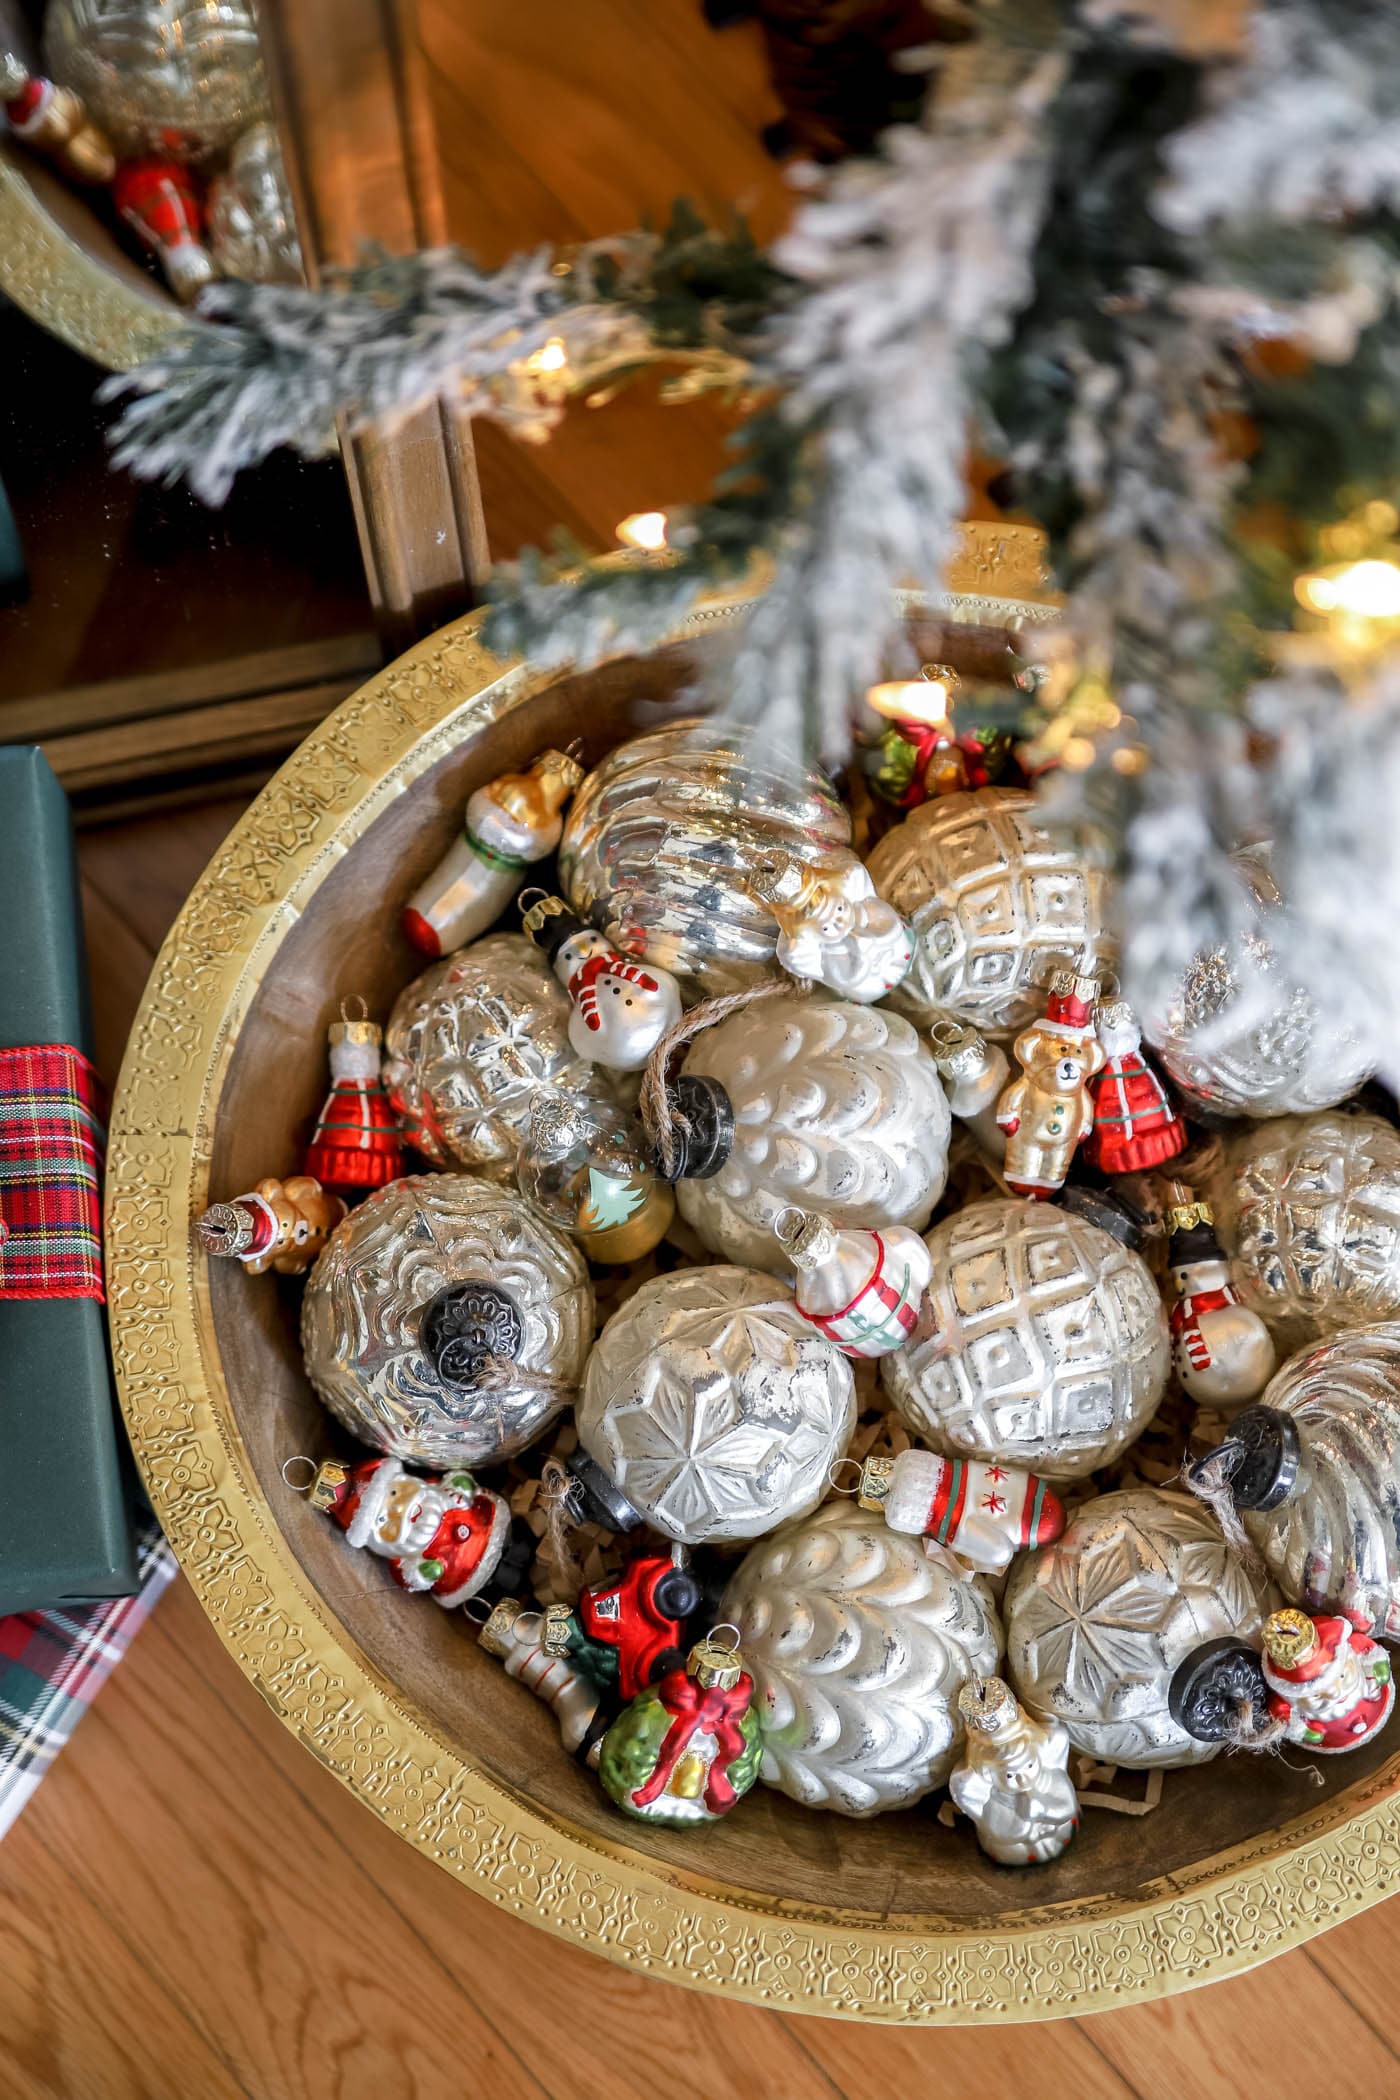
(252, 226)
(1098, 1623)
(715, 1406)
(181, 78)
(1041, 1342)
(1310, 1206)
(836, 1108)
(996, 905)
(859, 1639)
(662, 835)
(413, 1289)
(1289, 1058)
(469, 1045)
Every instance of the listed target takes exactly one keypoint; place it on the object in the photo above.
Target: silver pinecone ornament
(469, 1045)
(830, 1106)
(859, 1640)
(179, 78)
(997, 907)
(1311, 1206)
(663, 836)
(711, 1408)
(1041, 1342)
(1104, 1624)
(446, 1322)
(1314, 1473)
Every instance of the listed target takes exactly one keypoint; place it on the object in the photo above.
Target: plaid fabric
(54, 1663)
(51, 1147)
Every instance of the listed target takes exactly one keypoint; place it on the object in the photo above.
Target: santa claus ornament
(627, 1632)
(1329, 1685)
(862, 1290)
(1012, 1779)
(1221, 1351)
(689, 1747)
(834, 929)
(281, 1225)
(356, 1143)
(53, 121)
(440, 1533)
(510, 823)
(986, 1514)
(1135, 1126)
(1047, 1111)
(621, 1009)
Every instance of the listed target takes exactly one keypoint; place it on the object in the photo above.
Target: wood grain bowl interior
(904, 1869)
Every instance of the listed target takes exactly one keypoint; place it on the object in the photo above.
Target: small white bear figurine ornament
(1013, 1780)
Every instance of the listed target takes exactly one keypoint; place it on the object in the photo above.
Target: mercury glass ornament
(586, 1168)
(180, 78)
(832, 1107)
(1099, 1624)
(428, 1279)
(663, 837)
(1012, 1780)
(469, 1045)
(1314, 1472)
(252, 223)
(859, 1640)
(711, 1409)
(996, 906)
(1291, 1058)
(1041, 1342)
(1311, 1205)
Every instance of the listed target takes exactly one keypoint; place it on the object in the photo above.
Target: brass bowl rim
(1221, 1916)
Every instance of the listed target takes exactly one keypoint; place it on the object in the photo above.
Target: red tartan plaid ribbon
(51, 1148)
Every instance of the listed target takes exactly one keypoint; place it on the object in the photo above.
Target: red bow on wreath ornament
(699, 1709)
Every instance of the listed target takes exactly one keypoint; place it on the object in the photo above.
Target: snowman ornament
(622, 1009)
(1222, 1352)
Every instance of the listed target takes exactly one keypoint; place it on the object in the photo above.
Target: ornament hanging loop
(299, 1458)
(347, 1005)
(833, 1473)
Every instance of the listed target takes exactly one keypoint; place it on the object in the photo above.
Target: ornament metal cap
(555, 1123)
(780, 879)
(1289, 1637)
(958, 1050)
(702, 1119)
(227, 1228)
(805, 1236)
(330, 1486)
(714, 1664)
(465, 1326)
(1262, 1454)
(876, 1480)
(1214, 1686)
(496, 1636)
(1191, 1235)
(548, 922)
(355, 1028)
(556, 1627)
(591, 1497)
(1109, 1209)
(986, 1704)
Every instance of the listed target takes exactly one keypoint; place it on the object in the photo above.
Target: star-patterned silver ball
(469, 1045)
(415, 1289)
(715, 1406)
(1098, 1623)
(1041, 1342)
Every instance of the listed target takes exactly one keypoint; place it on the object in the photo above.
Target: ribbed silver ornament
(181, 78)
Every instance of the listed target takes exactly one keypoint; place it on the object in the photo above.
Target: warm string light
(550, 357)
(926, 699)
(1357, 595)
(645, 530)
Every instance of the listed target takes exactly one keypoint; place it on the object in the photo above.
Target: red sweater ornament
(1135, 1125)
(356, 1145)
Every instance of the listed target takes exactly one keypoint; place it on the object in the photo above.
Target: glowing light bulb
(645, 530)
(1363, 590)
(550, 357)
(926, 699)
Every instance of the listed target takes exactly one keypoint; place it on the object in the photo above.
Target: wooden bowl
(893, 1919)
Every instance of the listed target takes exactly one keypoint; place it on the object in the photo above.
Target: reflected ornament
(859, 1640)
(252, 223)
(1099, 1625)
(832, 1107)
(996, 907)
(175, 77)
(663, 837)
(1293, 1059)
(712, 1408)
(1312, 1206)
(469, 1044)
(1042, 1342)
(416, 1290)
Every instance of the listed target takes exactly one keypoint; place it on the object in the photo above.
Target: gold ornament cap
(715, 1665)
(556, 1627)
(1182, 1217)
(876, 1480)
(355, 1028)
(1289, 1637)
(331, 1476)
(985, 1703)
(1068, 984)
(497, 1636)
(781, 879)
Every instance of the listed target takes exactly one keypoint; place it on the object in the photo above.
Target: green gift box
(69, 1490)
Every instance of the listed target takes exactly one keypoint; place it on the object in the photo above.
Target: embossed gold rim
(1220, 1917)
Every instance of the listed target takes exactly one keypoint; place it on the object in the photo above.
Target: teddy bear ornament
(1047, 1111)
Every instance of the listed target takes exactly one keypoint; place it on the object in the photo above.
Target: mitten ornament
(688, 1748)
(626, 1633)
(160, 200)
(1329, 1685)
(441, 1533)
(986, 1514)
(512, 1634)
(834, 929)
(1222, 1352)
(1012, 1779)
(1048, 1110)
(862, 1290)
(1314, 1474)
(1135, 1126)
(510, 823)
(281, 1225)
(621, 1009)
(974, 1074)
(54, 122)
(584, 1166)
(356, 1143)
(815, 1102)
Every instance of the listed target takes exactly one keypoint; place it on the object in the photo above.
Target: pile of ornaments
(735, 1061)
(164, 104)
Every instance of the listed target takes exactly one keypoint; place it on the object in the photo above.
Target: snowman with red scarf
(621, 1008)
(1222, 1352)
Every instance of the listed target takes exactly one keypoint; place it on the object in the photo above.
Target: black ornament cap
(702, 1120)
(1262, 1453)
(1111, 1212)
(1213, 1685)
(591, 1497)
(464, 1326)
